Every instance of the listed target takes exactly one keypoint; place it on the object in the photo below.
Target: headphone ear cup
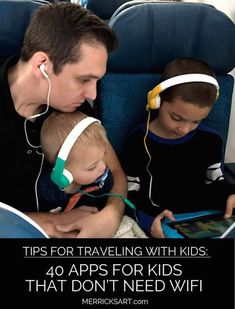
(68, 177)
(62, 180)
(157, 101)
(154, 99)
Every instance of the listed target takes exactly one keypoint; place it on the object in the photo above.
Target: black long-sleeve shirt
(20, 163)
(186, 172)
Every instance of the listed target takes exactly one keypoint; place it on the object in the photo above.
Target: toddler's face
(87, 165)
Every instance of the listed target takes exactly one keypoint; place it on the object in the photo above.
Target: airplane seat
(130, 3)
(14, 19)
(151, 35)
(104, 8)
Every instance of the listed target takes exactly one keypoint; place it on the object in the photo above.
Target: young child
(178, 160)
(76, 146)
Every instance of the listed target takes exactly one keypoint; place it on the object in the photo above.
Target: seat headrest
(130, 3)
(104, 8)
(153, 34)
(14, 19)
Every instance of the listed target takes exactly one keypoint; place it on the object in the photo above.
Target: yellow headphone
(154, 103)
(153, 95)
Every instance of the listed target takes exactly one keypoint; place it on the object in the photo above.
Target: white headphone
(60, 175)
(42, 69)
(153, 95)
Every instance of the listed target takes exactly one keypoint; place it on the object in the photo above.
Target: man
(64, 54)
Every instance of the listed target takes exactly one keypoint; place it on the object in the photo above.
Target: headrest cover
(151, 35)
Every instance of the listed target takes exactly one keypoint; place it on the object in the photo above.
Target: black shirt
(20, 162)
(187, 173)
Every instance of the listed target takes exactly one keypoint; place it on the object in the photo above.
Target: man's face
(77, 82)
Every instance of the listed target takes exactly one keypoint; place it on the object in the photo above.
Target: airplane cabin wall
(228, 7)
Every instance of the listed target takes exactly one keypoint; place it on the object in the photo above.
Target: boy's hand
(156, 228)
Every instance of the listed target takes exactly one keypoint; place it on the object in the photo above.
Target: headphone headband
(73, 136)
(60, 175)
(153, 95)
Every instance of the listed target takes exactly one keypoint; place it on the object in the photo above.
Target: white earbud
(42, 69)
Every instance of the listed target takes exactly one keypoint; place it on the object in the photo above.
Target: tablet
(230, 232)
(213, 225)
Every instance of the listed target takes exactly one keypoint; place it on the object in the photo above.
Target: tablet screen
(203, 227)
(230, 232)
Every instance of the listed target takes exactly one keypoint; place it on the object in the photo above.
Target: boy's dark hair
(199, 93)
(58, 29)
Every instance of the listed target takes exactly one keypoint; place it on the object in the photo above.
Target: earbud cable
(38, 115)
(36, 182)
(150, 158)
(38, 146)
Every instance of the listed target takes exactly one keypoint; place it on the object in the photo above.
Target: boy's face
(86, 165)
(178, 118)
(77, 81)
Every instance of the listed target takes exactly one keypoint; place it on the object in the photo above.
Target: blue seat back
(14, 19)
(104, 8)
(130, 3)
(150, 36)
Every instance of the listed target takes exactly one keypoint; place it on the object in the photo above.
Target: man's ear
(39, 64)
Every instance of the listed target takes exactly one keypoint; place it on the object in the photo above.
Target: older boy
(178, 160)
